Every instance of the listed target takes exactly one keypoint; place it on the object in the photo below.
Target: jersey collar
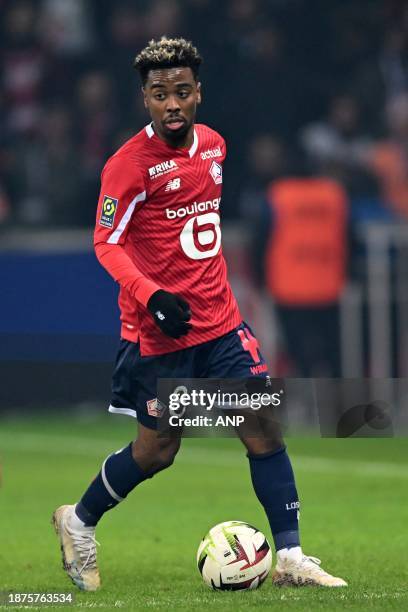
(194, 146)
(150, 132)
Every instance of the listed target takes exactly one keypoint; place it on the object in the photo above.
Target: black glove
(170, 312)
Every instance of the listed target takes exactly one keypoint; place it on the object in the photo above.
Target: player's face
(171, 95)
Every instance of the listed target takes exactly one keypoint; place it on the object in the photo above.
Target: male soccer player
(158, 234)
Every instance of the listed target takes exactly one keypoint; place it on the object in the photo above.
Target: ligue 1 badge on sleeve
(109, 206)
(216, 172)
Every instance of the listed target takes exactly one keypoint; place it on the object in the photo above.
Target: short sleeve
(122, 193)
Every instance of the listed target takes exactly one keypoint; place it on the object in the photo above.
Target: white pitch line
(98, 448)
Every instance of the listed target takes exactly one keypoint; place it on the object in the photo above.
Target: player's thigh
(237, 355)
(135, 381)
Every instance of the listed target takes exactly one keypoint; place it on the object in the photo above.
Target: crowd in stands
(327, 78)
(299, 88)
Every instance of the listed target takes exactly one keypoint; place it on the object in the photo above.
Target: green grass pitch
(354, 517)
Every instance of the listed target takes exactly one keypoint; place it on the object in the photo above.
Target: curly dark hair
(167, 53)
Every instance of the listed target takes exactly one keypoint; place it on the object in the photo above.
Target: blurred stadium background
(310, 88)
(293, 86)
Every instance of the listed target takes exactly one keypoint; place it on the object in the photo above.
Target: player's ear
(144, 97)
(198, 92)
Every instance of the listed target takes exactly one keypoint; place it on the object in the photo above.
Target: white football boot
(293, 568)
(78, 547)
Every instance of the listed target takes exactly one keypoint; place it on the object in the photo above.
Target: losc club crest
(216, 172)
(154, 407)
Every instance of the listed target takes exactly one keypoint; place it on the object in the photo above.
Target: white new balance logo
(173, 185)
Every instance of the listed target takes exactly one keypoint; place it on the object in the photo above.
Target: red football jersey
(158, 226)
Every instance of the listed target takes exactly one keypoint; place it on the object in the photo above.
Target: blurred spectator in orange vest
(303, 236)
(388, 159)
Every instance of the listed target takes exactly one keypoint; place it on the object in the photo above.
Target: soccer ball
(234, 556)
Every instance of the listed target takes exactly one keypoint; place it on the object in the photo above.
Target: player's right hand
(170, 312)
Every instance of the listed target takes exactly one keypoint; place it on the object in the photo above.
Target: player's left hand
(171, 313)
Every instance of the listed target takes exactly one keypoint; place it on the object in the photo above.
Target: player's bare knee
(155, 455)
(168, 449)
(260, 446)
(168, 455)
